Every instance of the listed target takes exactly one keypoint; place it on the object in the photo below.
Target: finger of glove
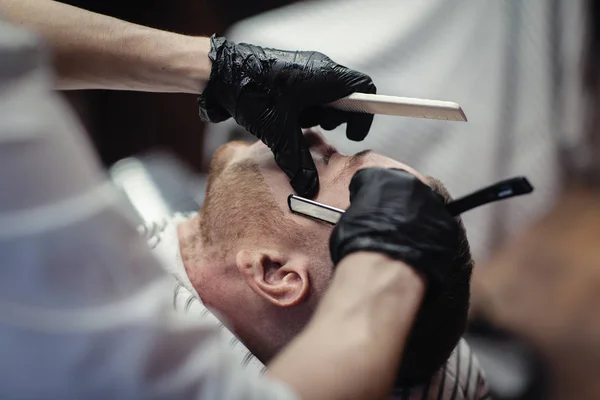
(294, 158)
(335, 242)
(330, 119)
(358, 126)
(310, 117)
(344, 232)
(402, 193)
(354, 82)
(327, 118)
(337, 82)
(377, 178)
(361, 83)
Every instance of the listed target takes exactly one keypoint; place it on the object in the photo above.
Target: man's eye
(328, 153)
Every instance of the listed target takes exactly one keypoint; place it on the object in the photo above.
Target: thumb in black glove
(392, 212)
(275, 93)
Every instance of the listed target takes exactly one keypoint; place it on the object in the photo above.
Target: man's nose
(316, 141)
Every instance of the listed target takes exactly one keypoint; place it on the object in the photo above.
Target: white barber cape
(85, 310)
(461, 378)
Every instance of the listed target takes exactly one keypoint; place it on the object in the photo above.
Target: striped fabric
(162, 239)
(184, 301)
(461, 378)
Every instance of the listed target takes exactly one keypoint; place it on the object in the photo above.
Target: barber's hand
(275, 93)
(392, 212)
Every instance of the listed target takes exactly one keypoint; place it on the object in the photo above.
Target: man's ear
(281, 280)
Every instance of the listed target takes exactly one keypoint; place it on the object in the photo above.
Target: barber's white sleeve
(85, 311)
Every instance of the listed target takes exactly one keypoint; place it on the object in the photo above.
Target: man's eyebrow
(351, 163)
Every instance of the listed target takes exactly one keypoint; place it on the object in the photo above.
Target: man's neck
(207, 272)
(190, 246)
(204, 263)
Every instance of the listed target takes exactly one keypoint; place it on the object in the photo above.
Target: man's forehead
(368, 159)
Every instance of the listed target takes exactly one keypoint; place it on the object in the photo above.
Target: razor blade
(502, 190)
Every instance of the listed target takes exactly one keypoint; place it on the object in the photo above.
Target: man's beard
(238, 204)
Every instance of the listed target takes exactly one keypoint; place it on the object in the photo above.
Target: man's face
(270, 267)
(335, 172)
(246, 202)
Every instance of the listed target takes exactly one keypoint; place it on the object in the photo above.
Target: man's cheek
(336, 195)
(279, 186)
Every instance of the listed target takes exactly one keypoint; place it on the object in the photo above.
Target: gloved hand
(275, 93)
(392, 212)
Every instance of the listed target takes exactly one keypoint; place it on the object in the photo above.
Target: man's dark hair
(442, 319)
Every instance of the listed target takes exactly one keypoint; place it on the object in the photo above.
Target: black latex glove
(392, 212)
(275, 93)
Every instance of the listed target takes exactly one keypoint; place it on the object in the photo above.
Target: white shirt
(85, 309)
(461, 378)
